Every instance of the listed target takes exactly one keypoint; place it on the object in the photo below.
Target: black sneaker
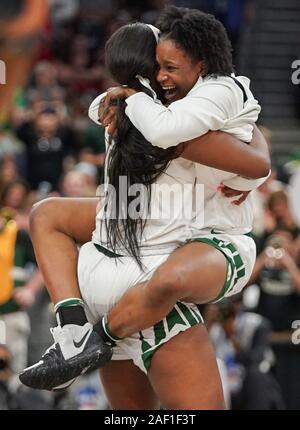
(76, 350)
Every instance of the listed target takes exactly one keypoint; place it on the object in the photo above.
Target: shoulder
(223, 84)
(221, 88)
(221, 91)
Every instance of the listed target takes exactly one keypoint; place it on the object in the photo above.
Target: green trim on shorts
(235, 264)
(159, 332)
(106, 251)
(181, 314)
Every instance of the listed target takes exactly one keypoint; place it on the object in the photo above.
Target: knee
(40, 214)
(167, 284)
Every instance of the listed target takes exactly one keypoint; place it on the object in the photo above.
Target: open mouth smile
(169, 92)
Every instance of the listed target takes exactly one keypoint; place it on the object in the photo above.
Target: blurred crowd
(49, 147)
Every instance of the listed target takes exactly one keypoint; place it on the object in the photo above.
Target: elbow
(262, 168)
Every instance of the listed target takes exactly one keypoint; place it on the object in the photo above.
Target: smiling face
(177, 72)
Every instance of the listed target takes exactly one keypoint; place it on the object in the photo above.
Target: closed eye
(171, 68)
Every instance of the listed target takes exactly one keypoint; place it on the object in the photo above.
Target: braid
(140, 163)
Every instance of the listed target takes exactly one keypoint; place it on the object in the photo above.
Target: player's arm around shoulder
(183, 120)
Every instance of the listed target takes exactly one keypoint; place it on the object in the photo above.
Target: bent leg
(56, 224)
(184, 372)
(194, 273)
(127, 387)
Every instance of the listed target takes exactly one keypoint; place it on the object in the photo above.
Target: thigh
(74, 217)
(127, 387)
(104, 280)
(184, 372)
(194, 273)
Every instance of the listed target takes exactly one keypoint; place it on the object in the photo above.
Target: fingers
(116, 93)
(24, 297)
(107, 114)
(229, 192)
(240, 200)
(108, 105)
(107, 109)
(108, 118)
(102, 112)
(112, 127)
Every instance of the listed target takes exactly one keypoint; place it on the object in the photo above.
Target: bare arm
(290, 264)
(286, 262)
(25, 296)
(56, 225)
(215, 149)
(223, 151)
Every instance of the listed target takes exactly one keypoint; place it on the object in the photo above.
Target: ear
(201, 67)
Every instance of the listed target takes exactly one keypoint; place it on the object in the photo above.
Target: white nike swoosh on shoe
(73, 350)
(79, 344)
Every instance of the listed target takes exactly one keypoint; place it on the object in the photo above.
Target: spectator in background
(275, 212)
(277, 274)
(20, 281)
(45, 80)
(7, 397)
(93, 151)
(294, 193)
(14, 395)
(80, 74)
(45, 91)
(242, 342)
(90, 173)
(278, 205)
(77, 184)
(10, 146)
(8, 171)
(263, 219)
(47, 144)
(14, 194)
(80, 121)
(62, 10)
(37, 104)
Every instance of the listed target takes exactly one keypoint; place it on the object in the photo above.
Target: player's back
(169, 214)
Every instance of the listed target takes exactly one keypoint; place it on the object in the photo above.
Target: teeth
(168, 88)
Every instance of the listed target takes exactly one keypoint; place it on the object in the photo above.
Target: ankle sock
(70, 311)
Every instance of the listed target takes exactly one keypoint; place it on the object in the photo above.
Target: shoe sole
(64, 386)
(68, 370)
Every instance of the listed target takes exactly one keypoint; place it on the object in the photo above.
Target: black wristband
(102, 333)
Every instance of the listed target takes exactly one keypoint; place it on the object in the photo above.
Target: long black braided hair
(129, 52)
